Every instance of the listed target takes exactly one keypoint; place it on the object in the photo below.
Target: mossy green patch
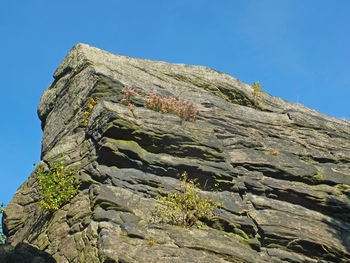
(106, 87)
(344, 188)
(218, 225)
(132, 149)
(317, 178)
(164, 142)
(240, 232)
(229, 93)
(275, 245)
(224, 181)
(131, 146)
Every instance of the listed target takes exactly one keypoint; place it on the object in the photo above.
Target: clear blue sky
(299, 50)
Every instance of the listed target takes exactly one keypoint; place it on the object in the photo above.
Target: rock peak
(283, 170)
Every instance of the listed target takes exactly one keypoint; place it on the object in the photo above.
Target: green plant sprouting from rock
(58, 185)
(185, 207)
(88, 109)
(2, 236)
(257, 91)
(175, 105)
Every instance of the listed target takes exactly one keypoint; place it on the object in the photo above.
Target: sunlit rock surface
(283, 169)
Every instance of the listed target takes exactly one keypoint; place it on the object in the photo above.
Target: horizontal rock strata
(283, 169)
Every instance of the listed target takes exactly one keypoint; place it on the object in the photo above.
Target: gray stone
(23, 253)
(282, 170)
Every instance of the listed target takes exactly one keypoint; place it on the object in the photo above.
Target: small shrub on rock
(175, 105)
(273, 152)
(257, 91)
(186, 207)
(88, 109)
(128, 92)
(58, 185)
(2, 236)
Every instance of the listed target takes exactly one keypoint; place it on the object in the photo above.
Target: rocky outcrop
(23, 253)
(283, 169)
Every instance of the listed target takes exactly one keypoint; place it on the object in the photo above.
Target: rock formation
(283, 169)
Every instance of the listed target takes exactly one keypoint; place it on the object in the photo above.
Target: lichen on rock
(283, 170)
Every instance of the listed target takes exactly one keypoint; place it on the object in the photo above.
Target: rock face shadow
(24, 253)
(340, 225)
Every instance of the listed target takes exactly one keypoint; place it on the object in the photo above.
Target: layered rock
(283, 169)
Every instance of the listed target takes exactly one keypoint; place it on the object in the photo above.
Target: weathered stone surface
(23, 253)
(283, 169)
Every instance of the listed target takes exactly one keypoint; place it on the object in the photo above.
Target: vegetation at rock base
(175, 105)
(257, 91)
(58, 185)
(88, 109)
(2, 236)
(186, 207)
(126, 100)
